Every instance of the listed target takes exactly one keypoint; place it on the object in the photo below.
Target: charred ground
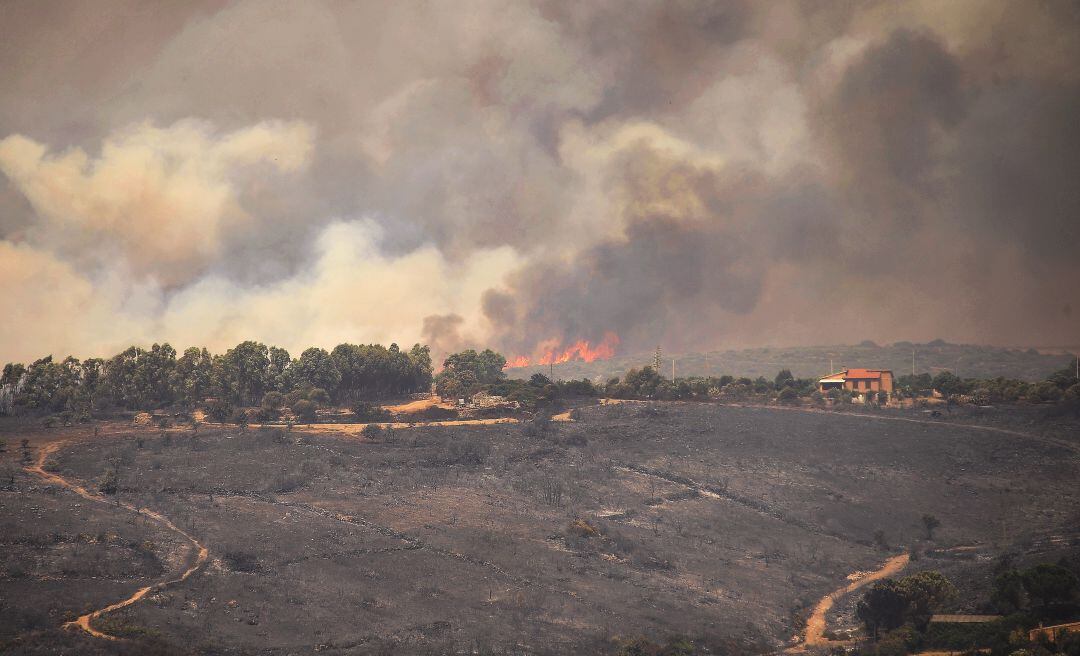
(721, 524)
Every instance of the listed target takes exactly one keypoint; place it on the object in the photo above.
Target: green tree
(194, 374)
(305, 411)
(273, 401)
(278, 372)
(1008, 594)
(948, 383)
(316, 368)
(890, 603)
(487, 365)
(13, 373)
(245, 373)
(882, 607)
(925, 593)
(1049, 584)
(155, 376)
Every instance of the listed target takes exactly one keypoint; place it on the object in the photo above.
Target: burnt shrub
(241, 561)
(468, 452)
(538, 425)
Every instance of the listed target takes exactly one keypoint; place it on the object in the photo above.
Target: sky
(527, 175)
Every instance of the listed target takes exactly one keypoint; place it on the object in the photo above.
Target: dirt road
(83, 622)
(356, 429)
(814, 634)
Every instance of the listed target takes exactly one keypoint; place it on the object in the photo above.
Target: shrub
(469, 452)
(305, 410)
(372, 431)
(219, 410)
(110, 483)
(239, 417)
(582, 529)
(788, 396)
(366, 411)
(539, 425)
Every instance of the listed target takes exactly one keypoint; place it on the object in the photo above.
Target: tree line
(157, 377)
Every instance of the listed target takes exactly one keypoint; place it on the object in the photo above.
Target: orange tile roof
(862, 374)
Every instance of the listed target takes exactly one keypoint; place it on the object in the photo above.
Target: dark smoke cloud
(697, 174)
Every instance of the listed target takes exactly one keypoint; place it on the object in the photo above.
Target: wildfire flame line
(580, 350)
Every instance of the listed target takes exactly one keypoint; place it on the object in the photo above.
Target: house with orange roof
(861, 381)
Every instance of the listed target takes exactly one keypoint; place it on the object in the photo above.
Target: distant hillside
(965, 360)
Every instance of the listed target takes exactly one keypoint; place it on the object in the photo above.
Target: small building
(862, 381)
(963, 619)
(1053, 633)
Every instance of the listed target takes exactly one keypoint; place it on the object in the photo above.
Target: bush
(110, 483)
(239, 417)
(305, 411)
(788, 396)
(219, 410)
(468, 452)
(539, 425)
(366, 412)
(582, 529)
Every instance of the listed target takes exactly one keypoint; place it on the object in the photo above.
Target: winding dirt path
(83, 622)
(814, 634)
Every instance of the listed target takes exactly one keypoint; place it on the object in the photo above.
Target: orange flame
(519, 361)
(551, 352)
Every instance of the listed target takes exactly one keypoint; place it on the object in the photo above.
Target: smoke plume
(535, 176)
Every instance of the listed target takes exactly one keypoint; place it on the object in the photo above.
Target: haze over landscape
(532, 175)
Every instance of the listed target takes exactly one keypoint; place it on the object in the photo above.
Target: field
(725, 525)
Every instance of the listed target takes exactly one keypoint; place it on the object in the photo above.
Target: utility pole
(673, 371)
(912, 363)
(657, 360)
(551, 370)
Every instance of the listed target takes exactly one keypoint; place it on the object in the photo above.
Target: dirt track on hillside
(83, 622)
(814, 633)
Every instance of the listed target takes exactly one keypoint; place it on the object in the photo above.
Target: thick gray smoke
(530, 174)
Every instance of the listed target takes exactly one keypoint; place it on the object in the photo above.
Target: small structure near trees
(864, 382)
